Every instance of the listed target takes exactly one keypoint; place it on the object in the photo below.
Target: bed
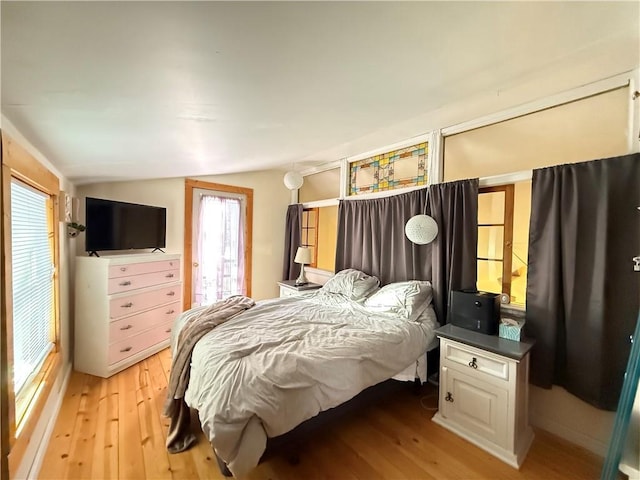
(285, 360)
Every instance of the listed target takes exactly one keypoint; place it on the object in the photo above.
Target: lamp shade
(303, 255)
(293, 180)
(421, 229)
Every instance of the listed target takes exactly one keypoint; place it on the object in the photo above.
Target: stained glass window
(405, 167)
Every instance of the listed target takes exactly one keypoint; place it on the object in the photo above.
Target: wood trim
(507, 239)
(7, 314)
(190, 185)
(25, 167)
(316, 211)
(46, 378)
(507, 255)
(5, 383)
(20, 164)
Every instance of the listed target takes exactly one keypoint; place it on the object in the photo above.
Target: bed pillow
(353, 284)
(404, 299)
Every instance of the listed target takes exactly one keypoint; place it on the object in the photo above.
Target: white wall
(33, 455)
(270, 201)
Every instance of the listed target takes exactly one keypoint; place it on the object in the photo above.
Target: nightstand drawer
(474, 359)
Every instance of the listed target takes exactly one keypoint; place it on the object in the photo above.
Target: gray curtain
(292, 240)
(454, 206)
(582, 293)
(371, 238)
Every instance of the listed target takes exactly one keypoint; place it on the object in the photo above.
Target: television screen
(123, 226)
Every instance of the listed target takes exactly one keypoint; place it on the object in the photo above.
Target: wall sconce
(293, 180)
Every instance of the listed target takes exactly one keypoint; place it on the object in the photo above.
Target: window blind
(32, 270)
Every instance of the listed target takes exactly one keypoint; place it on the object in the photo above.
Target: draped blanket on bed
(197, 323)
(285, 360)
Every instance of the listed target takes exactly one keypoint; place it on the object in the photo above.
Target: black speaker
(473, 310)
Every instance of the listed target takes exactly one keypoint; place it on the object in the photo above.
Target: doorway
(218, 239)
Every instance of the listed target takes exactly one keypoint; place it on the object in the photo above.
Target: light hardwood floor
(113, 428)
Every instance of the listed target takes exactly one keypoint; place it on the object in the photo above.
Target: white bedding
(283, 361)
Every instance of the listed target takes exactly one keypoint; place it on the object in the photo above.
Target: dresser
(484, 391)
(288, 288)
(125, 306)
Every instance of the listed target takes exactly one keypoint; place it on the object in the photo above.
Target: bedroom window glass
(220, 248)
(33, 282)
(320, 186)
(310, 219)
(405, 167)
(327, 237)
(565, 133)
(503, 234)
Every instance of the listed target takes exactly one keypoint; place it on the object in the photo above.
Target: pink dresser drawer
(132, 345)
(116, 271)
(130, 326)
(132, 282)
(130, 304)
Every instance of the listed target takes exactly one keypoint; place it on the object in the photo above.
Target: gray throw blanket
(200, 322)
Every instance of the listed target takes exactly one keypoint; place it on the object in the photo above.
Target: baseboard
(577, 438)
(38, 458)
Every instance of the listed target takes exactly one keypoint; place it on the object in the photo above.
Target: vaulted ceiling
(125, 90)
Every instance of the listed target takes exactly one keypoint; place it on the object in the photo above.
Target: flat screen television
(115, 225)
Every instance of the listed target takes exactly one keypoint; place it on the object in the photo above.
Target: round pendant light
(293, 180)
(421, 229)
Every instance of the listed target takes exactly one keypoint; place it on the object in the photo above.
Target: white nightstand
(484, 391)
(288, 288)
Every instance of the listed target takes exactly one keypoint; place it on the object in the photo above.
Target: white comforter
(287, 359)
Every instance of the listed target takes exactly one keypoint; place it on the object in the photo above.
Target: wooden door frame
(189, 186)
(507, 234)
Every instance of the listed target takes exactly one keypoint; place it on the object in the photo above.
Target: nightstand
(484, 391)
(288, 288)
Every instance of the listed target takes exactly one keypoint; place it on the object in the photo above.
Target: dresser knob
(170, 312)
(473, 363)
(171, 294)
(127, 305)
(449, 397)
(170, 275)
(124, 284)
(125, 349)
(123, 269)
(168, 330)
(126, 327)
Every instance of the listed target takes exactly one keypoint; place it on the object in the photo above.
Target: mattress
(285, 360)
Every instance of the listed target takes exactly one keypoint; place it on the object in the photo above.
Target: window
(503, 232)
(310, 217)
(405, 167)
(221, 252)
(30, 309)
(33, 292)
(564, 133)
(320, 186)
(495, 238)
